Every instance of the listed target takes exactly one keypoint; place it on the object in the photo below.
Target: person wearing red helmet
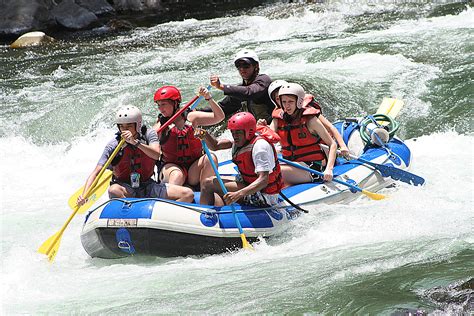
(252, 94)
(182, 159)
(301, 133)
(134, 165)
(259, 181)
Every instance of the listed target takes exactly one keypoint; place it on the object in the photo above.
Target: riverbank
(62, 19)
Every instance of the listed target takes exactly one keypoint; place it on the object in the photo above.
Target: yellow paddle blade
(374, 196)
(390, 107)
(245, 243)
(50, 246)
(100, 188)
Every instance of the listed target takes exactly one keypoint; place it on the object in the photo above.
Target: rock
(137, 5)
(97, 7)
(72, 16)
(119, 25)
(20, 16)
(31, 39)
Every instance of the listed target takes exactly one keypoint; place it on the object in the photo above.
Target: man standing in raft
(134, 165)
(182, 159)
(250, 96)
(259, 181)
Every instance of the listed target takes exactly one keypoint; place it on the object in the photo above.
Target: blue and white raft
(167, 228)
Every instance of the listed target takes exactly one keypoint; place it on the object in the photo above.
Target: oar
(372, 195)
(390, 171)
(103, 183)
(245, 243)
(51, 245)
(390, 107)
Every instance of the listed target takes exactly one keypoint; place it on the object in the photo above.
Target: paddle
(103, 183)
(389, 171)
(245, 243)
(390, 107)
(51, 245)
(374, 196)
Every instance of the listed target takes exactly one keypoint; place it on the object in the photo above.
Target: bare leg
(292, 175)
(211, 192)
(118, 191)
(200, 170)
(180, 193)
(172, 174)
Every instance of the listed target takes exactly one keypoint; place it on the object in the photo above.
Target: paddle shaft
(221, 183)
(297, 165)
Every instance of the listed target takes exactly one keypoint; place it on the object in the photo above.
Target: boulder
(20, 16)
(31, 39)
(137, 5)
(72, 16)
(97, 7)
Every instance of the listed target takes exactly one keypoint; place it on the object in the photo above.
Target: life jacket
(242, 157)
(297, 142)
(310, 101)
(131, 159)
(180, 146)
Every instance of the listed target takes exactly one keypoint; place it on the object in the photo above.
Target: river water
(412, 251)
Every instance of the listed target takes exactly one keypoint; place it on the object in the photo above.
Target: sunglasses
(242, 65)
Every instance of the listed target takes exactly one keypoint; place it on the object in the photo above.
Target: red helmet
(167, 93)
(243, 121)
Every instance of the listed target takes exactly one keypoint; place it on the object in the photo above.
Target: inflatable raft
(165, 228)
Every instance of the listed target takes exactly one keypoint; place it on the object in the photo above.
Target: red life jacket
(180, 146)
(297, 142)
(131, 159)
(310, 101)
(242, 157)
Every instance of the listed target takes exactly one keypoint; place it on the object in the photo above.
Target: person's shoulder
(262, 144)
(264, 77)
(112, 143)
(151, 135)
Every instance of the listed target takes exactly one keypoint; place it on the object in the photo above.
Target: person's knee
(187, 194)
(116, 191)
(208, 184)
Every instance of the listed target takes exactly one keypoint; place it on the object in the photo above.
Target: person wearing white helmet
(134, 165)
(301, 133)
(273, 91)
(308, 101)
(250, 96)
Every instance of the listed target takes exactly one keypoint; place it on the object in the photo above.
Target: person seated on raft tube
(309, 100)
(250, 96)
(182, 158)
(259, 181)
(134, 165)
(301, 132)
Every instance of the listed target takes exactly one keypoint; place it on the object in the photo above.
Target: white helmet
(129, 114)
(246, 55)
(293, 89)
(273, 86)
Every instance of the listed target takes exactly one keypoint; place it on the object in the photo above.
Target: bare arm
(81, 199)
(152, 150)
(259, 184)
(200, 118)
(316, 127)
(211, 141)
(334, 133)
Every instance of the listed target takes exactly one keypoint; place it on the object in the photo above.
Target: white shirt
(263, 157)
